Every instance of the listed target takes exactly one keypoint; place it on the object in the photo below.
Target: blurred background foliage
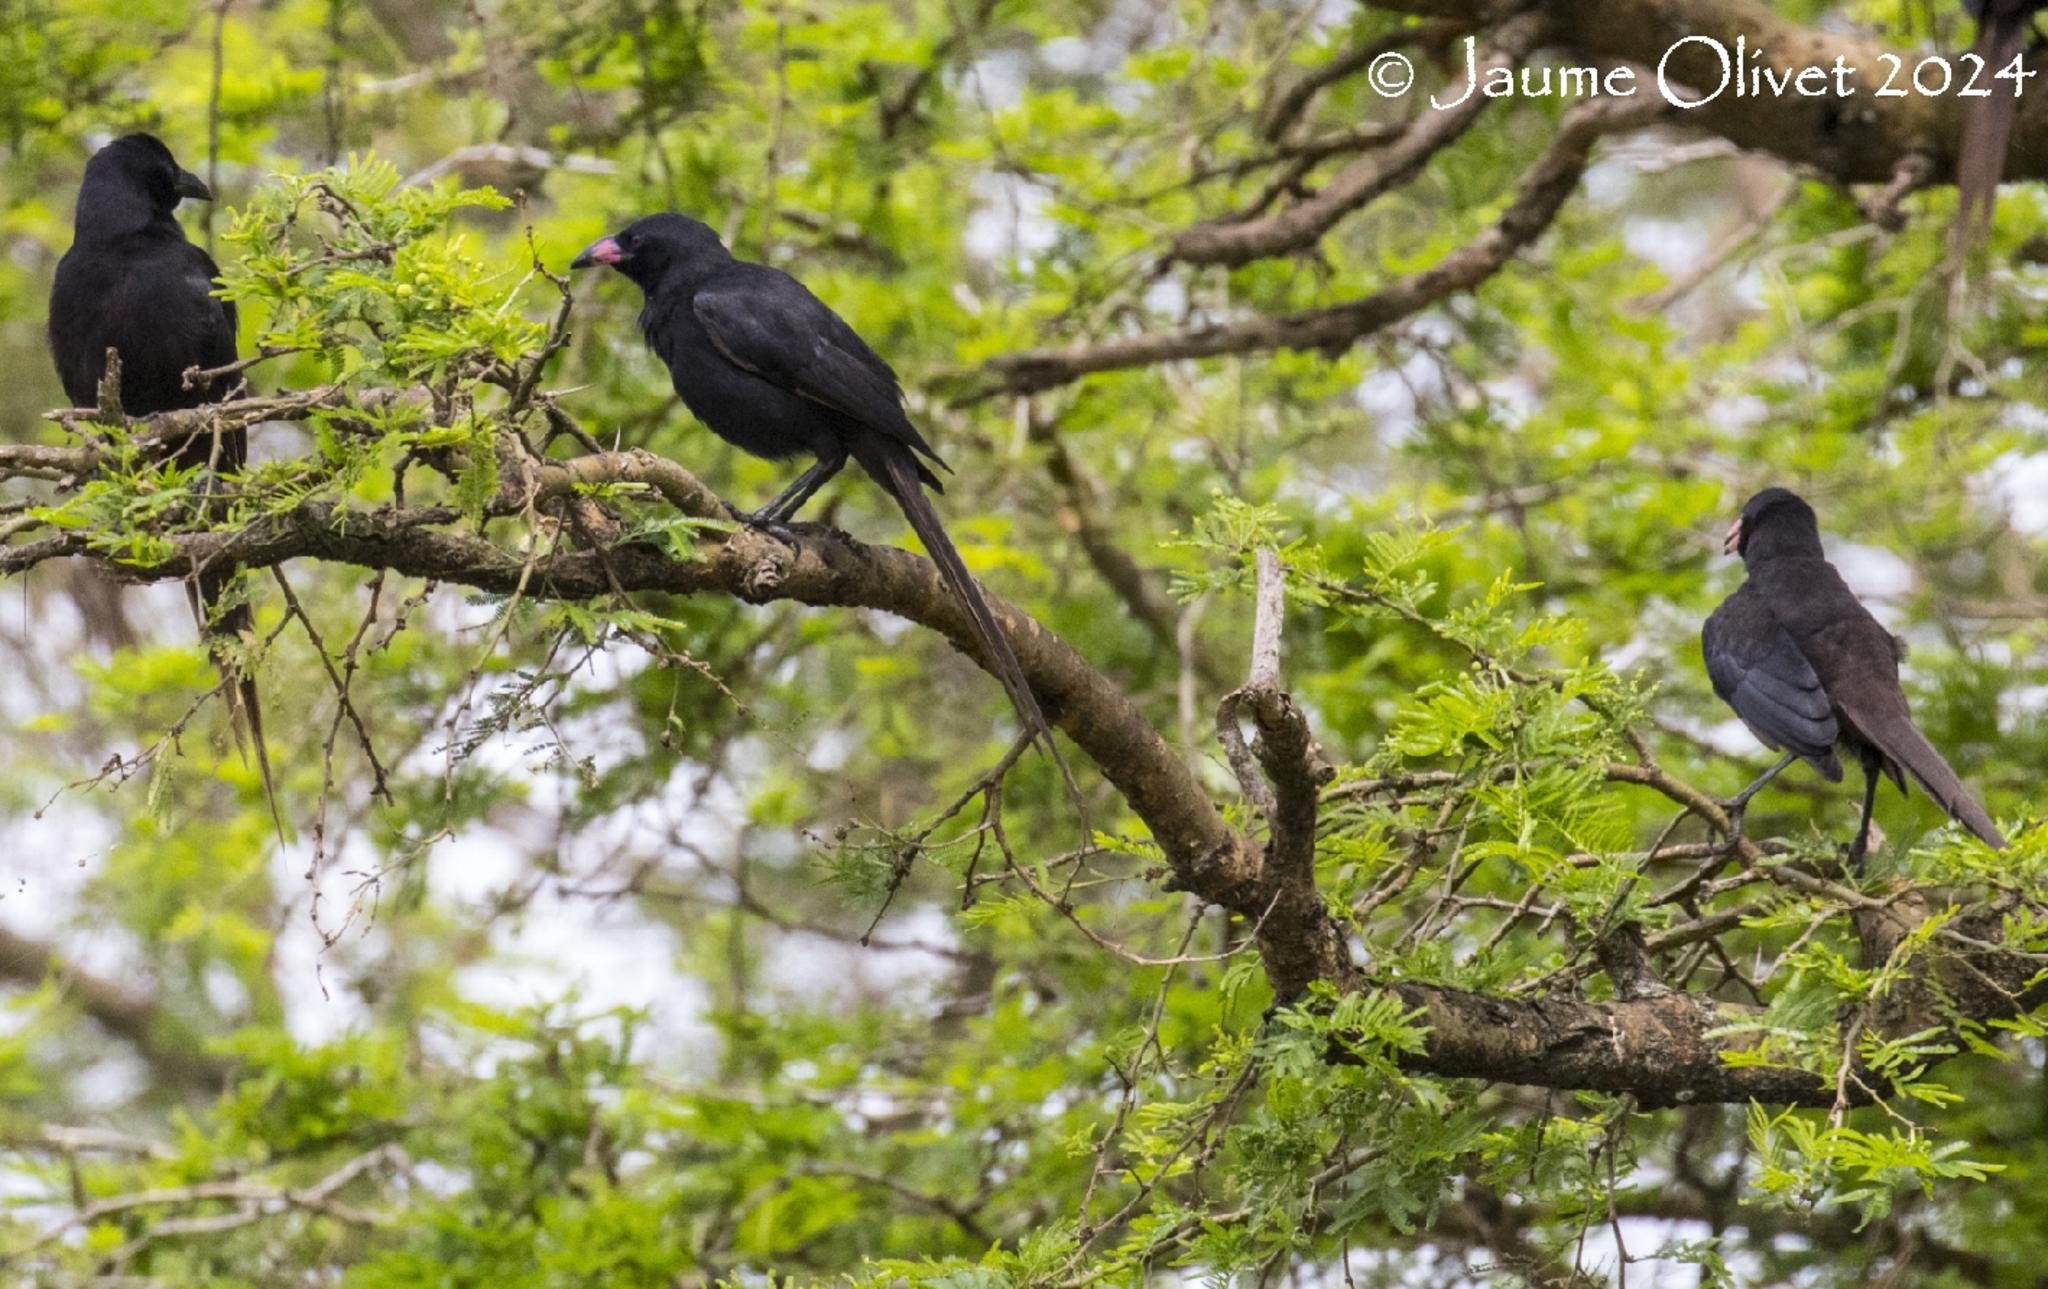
(585, 1001)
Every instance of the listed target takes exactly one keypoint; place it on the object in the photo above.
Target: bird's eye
(629, 240)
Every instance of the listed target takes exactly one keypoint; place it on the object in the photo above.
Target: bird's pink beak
(1733, 542)
(604, 250)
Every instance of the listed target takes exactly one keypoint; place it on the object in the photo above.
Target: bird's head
(140, 164)
(649, 248)
(1776, 521)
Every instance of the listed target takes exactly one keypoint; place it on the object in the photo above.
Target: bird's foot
(784, 529)
(1734, 808)
(1853, 858)
(1856, 855)
(206, 487)
(763, 521)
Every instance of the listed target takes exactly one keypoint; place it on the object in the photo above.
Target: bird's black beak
(191, 185)
(605, 250)
(1733, 542)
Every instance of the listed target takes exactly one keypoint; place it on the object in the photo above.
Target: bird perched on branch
(132, 283)
(1987, 121)
(776, 373)
(1809, 670)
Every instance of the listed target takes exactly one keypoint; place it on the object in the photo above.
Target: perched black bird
(1987, 121)
(774, 372)
(1807, 668)
(133, 284)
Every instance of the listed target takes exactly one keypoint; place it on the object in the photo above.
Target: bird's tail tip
(245, 708)
(245, 718)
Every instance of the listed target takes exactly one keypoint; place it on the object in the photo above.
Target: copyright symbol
(1390, 75)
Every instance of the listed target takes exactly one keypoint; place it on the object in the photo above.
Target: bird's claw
(785, 530)
(1734, 808)
(209, 486)
(761, 521)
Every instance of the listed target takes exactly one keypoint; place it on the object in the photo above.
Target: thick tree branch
(1662, 1048)
(819, 568)
(1858, 138)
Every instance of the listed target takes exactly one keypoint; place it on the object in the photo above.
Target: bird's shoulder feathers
(766, 322)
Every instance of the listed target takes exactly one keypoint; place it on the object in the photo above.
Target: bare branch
(1288, 106)
(255, 1198)
(1236, 242)
(1271, 613)
(1336, 327)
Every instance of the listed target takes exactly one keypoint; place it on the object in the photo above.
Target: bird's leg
(1737, 804)
(784, 508)
(1861, 846)
(208, 485)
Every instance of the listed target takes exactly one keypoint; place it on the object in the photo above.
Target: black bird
(775, 372)
(1987, 121)
(1807, 668)
(133, 284)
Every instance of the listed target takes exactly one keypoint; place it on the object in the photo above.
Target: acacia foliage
(1498, 523)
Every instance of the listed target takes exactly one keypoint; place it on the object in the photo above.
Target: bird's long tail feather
(893, 467)
(1908, 748)
(1987, 131)
(245, 712)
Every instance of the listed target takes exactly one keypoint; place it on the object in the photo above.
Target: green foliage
(349, 265)
(667, 939)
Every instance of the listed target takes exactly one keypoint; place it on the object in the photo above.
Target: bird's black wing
(150, 297)
(1757, 669)
(219, 321)
(770, 324)
(211, 324)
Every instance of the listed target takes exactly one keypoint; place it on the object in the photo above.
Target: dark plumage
(131, 282)
(776, 373)
(1987, 122)
(1809, 670)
